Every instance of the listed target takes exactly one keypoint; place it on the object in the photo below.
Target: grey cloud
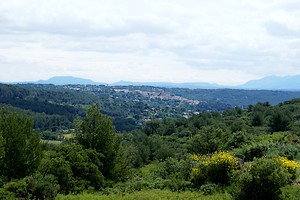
(84, 28)
(280, 30)
(244, 59)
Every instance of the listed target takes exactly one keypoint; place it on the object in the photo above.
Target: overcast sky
(219, 41)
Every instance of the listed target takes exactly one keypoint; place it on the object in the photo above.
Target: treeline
(250, 153)
(236, 97)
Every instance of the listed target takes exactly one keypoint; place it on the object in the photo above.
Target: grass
(51, 141)
(69, 136)
(66, 136)
(147, 195)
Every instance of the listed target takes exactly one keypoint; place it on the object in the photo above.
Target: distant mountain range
(267, 83)
(68, 80)
(274, 83)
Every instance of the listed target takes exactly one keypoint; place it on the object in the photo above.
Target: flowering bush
(229, 161)
(290, 165)
(216, 168)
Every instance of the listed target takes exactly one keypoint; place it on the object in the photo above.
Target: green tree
(97, 132)
(208, 140)
(258, 113)
(279, 120)
(237, 139)
(75, 168)
(22, 147)
(152, 127)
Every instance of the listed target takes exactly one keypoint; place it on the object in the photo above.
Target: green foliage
(279, 121)
(15, 190)
(290, 192)
(164, 152)
(208, 140)
(148, 195)
(2, 146)
(122, 167)
(237, 139)
(61, 169)
(76, 169)
(31, 187)
(260, 179)
(152, 127)
(42, 187)
(143, 149)
(96, 131)
(251, 151)
(216, 168)
(220, 167)
(154, 156)
(50, 135)
(209, 188)
(22, 148)
(258, 113)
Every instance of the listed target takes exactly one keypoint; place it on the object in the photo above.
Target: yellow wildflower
(196, 157)
(291, 165)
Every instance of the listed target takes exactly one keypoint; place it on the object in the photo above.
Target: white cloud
(226, 41)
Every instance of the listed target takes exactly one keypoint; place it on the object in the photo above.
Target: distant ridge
(266, 83)
(274, 83)
(68, 80)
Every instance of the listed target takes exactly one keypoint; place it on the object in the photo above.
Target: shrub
(216, 168)
(290, 192)
(31, 187)
(256, 150)
(15, 190)
(261, 179)
(208, 189)
(42, 187)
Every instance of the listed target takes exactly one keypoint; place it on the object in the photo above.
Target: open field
(147, 195)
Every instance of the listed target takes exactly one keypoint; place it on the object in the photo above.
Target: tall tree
(22, 147)
(97, 132)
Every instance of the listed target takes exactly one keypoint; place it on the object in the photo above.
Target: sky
(227, 42)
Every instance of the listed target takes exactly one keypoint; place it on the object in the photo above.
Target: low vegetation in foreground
(148, 195)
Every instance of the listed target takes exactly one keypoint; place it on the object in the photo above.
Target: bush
(256, 150)
(42, 187)
(15, 190)
(216, 168)
(31, 187)
(261, 179)
(290, 192)
(209, 188)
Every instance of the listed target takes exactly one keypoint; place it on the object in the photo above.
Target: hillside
(129, 106)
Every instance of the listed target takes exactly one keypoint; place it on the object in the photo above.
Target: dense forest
(100, 142)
